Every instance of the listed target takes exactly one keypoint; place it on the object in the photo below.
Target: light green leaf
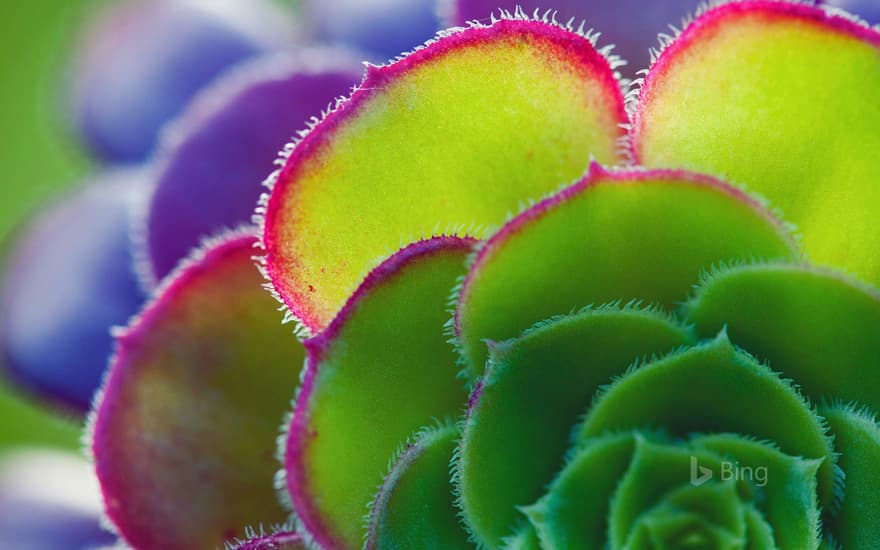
(613, 236)
(781, 97)
(382, 370)
(452, 138)
(414, 507)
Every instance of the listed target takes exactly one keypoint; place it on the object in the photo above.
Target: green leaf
(415, 507)
(782, 97)
(720, 503)
(612, 236)
(659, 495)
(185, 434)
(453, 137)
(760, 532)
(787, 485)
(715, 388)
(659, 480)
(525, 539)
(282, 540)
(382, 370)
(668, 528)
(520, 416)
(574, 512)
(817, 327)
(857, 438)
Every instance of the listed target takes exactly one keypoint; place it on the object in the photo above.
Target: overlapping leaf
(780, 96)
(380, 372)
(452, 138)
(458, 134)
(184, 434)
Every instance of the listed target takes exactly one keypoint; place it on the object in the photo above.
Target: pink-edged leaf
(615, 235)
(780, 97)
(185, 433)
(381, 370)
(224, 144)
(632, 26)
(451, 138)
(282, 540)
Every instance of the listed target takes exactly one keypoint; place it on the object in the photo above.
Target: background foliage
(39, 158)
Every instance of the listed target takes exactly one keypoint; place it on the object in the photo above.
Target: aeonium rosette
(650, 357)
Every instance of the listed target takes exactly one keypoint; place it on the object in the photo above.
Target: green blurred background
(39, 157)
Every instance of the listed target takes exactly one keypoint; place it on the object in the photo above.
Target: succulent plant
(531, 315)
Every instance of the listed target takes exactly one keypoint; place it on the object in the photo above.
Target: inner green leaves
(714, 388)
(518, 424)
(516, 432)
(613, 236)
(857, 439)
(817, 327)
(656, 500)
(414, 507)
(638, 490)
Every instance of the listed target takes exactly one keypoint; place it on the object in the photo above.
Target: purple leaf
(214, 159)
(141, 61)
(67, 281)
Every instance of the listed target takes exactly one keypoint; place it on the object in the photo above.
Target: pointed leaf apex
(535, 512)
(596, 169)
(497, 349)
(722, 340)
